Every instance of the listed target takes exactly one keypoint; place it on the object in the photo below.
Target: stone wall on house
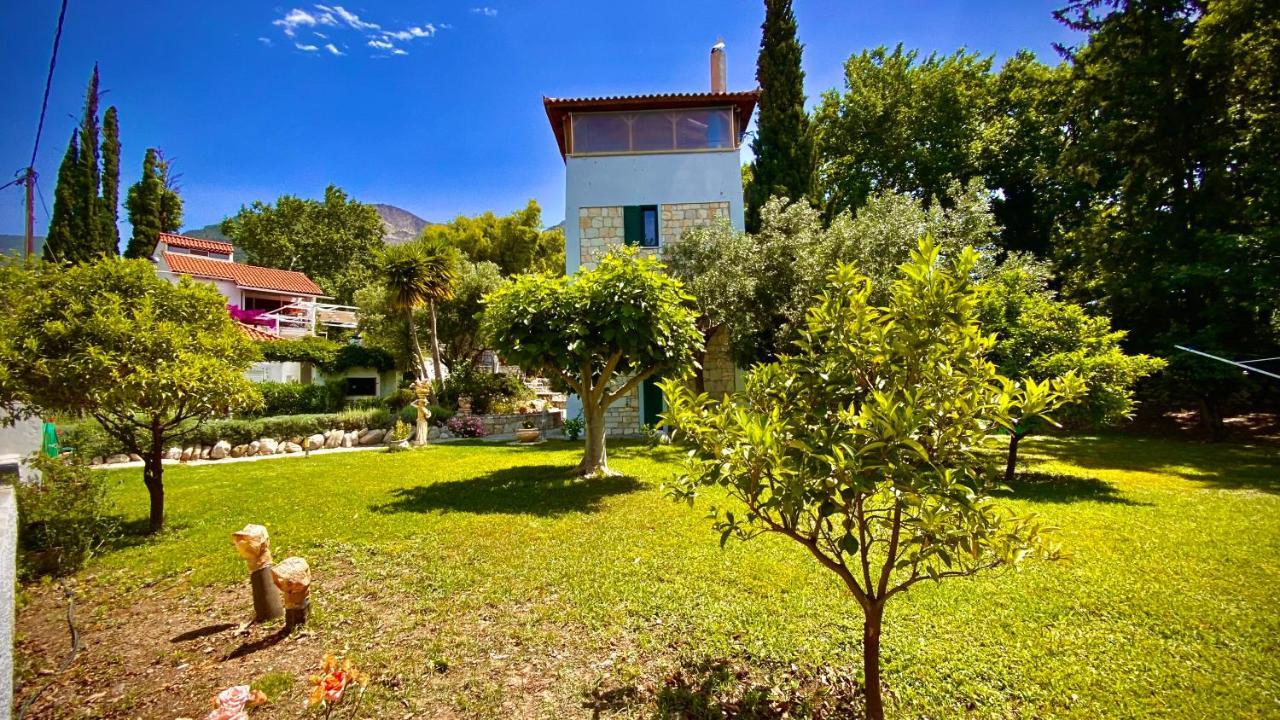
(601, 228)
(622, 419)
(679, 217)
(718, 372)
(508, 424)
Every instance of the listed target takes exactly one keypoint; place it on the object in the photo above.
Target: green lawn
(476, 581)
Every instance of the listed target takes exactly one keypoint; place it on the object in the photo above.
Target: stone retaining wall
(508, 424)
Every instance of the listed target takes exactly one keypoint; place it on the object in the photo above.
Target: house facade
(269, 304)
(641, 170)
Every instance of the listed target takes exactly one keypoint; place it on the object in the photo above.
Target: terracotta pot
(528, 435)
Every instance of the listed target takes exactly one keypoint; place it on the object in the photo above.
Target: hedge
(294, 398)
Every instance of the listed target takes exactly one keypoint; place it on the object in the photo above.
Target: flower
(336, 675)
(230, 704)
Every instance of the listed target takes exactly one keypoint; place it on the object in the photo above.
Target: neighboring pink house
(284, 303)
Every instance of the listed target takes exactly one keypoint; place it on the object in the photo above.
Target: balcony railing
(298, 319)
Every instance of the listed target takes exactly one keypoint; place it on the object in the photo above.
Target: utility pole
(31, 211)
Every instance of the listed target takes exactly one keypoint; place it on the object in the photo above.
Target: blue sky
(431, 106)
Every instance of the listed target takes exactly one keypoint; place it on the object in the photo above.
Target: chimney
(719, 75)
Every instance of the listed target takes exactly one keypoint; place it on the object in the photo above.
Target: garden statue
(254, 546)
(421, 388)
(293, 577)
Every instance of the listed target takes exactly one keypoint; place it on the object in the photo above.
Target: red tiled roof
(256, 333)
(191, 243)
(559, 108)
(248, 276)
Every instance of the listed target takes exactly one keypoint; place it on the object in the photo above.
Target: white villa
(269, 304)
(641, 170)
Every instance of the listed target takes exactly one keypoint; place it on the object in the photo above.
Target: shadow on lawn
(740, 687)
(1220, 465)
(526, 490)
(1042, 487)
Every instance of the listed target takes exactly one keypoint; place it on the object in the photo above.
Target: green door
(650, 402)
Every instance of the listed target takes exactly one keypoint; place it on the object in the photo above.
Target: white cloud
(265, 41)
(350, 18)
(294, 19)
(485, 11)
(338, 20)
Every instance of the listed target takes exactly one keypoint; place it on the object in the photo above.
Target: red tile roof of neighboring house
(558, 109)
(256, 333)
(191, 243)
(247, 276)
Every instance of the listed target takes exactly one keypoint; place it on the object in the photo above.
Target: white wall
(275, 371)
(19, 441)
(658, 179)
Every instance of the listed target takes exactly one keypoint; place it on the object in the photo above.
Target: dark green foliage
(399, 399)
(350, 355)
(239, 431)
(109, 210)
(64, 518)
(329, 356)
(153, 206)
(59, 243)
(486, 390)
(82, 226)
(1172, 116)
(293, 398)
(335, 241)
(783, 147)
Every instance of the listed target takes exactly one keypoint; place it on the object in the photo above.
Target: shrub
(245, 430)
(573, 428)
(63, 519)
(293, 398)
(399, 399)
(408, 413)
(467, 426)
(484, 389)
(88, 439)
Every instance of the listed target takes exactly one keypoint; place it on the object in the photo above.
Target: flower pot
(528, 435)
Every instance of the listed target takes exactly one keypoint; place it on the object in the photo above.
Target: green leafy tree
(461, 317)
(865, 445)
(60, 242)
(603, 331)
(82, 226)
(109, 210)
(1039, 337)
(149, 360)
(153, 206)
(417, 273)
(719, 269)
(1172, 127)
(334, 241)
(783, 147)
(903, 123)
(516, 243)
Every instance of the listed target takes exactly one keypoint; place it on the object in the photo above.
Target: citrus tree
(603, 331)
(866, 444)
(148, 359)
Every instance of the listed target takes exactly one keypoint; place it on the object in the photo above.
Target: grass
(478, 581)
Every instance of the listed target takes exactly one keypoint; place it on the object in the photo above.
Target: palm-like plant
(420, 273)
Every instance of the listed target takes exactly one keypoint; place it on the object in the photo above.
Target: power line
(48, 83)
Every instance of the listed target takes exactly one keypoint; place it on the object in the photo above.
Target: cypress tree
(109, 212)
(783, 148)
(143, 205)
(782, 145)
(59, 244)
(86, 224)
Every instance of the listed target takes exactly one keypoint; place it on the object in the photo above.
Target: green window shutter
(632, 224)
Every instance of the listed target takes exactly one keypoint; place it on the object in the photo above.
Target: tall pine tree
(154, 207)
(783, 147)
(59, 243)
(83, 225)
(109, 210)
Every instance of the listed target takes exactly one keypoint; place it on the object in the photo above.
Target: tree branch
(630, 385)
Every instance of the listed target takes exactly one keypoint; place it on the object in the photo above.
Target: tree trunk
(594, 460)
(700, 373)
(152, 476)
(435, 346)
(1011, 465)
(417, 349)
(1211, 419)
(871, 659)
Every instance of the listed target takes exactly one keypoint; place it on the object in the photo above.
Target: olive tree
(148, 359)
(867, 443)
(603, 331)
